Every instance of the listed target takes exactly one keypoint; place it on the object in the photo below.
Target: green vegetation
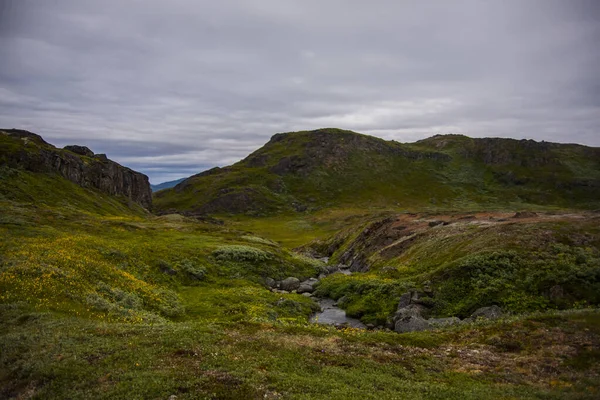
(550, 262)
(301, 172)
(101, 299)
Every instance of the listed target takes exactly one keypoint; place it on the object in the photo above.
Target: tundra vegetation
(100, 298)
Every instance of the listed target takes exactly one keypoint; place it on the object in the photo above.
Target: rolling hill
(330, 168)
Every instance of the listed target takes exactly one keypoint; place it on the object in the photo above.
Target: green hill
(332, 168)
(99, 298)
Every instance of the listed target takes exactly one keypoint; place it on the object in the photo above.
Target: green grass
(304, 172)
(99, 299)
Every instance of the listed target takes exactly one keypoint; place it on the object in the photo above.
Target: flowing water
(333, 315)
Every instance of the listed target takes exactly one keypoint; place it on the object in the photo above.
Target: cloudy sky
(171, 88)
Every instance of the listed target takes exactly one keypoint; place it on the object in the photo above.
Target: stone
(491, 312)
(412, 310)
(411, 324)
(305, 288)
(343, 266)
(404, 300)
(427, 287)
(441, 322)
(306, 294)
(330, 269)
(415, 297)
(270, 282)
(289, 284)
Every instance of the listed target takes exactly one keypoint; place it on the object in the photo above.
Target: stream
(333, 315)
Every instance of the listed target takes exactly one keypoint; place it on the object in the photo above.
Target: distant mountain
(333, 168)
(166, 185)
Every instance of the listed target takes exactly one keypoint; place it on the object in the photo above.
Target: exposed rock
(81, 150)
(411, 324)
(330, 269)
(404, 300)
(343, 266)
(491, 312)
(427, 287)
(412, 310)
(289, 284)
(307, 286)
(95, 171)
(441, 322)
(306, 294)
(270, 282)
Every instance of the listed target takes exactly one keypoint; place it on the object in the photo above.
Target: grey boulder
(491, 312)
(270, 282)
(442, 322)
(411, 324)
(289, 284)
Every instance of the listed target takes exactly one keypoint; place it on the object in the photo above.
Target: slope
(331, 168)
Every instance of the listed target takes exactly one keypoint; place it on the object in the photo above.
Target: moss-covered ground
(100, 299)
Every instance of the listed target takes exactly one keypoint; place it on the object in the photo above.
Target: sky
(171, 88)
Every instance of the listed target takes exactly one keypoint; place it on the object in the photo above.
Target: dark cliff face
(76, 163)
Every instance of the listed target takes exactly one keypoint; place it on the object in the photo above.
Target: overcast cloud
(171, 88)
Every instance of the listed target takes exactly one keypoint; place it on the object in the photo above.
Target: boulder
(270, 282)
(441, 322)
(491, 312)
(404, 300)
(307, 286)
(412, 310)
(289, 284)
(306, 294)
(330, 269)
(411, 324)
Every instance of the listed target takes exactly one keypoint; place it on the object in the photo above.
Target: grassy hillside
(101, 299)
(547, 261)
(331, 168)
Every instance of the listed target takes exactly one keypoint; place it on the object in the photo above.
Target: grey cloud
(171, 88)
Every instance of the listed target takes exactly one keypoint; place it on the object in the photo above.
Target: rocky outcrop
(77, 164)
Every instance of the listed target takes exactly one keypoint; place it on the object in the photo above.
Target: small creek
(333, 315)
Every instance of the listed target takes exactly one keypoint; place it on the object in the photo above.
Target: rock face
(77, 164)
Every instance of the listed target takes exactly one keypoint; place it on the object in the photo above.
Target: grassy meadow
(101, 299)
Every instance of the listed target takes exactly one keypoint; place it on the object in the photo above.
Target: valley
(103, 295)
